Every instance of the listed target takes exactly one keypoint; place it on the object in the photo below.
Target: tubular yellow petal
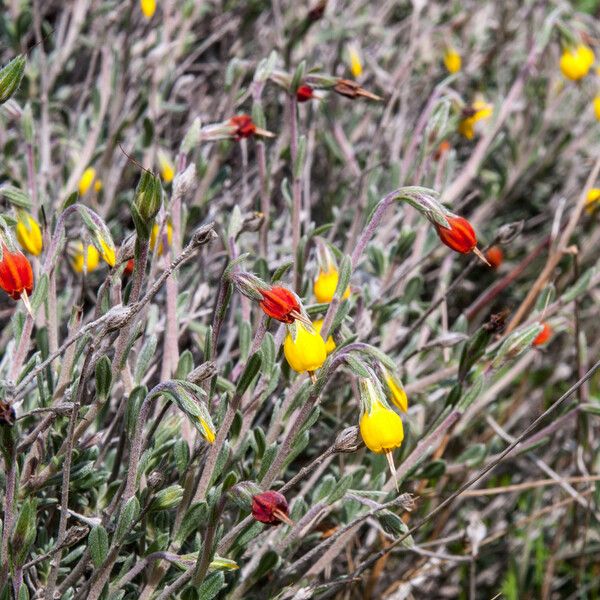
(326, 284)
(355, 62)
(452, 60)
(86, 180)
(167, 170)
(397, 393)
(148, 8)
(329, 343)
(593, 200)
(307, 352)
(381, 429)
(209, 433)
(29, 235)
(596, 103)
(108, 253)
(154, 235)
(79, 260)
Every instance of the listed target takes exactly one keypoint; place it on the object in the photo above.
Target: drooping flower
(576, 62)
(270, 508)
(167, 170)
(544, 335)
(16, 274)
(380, 427)
(351, 89)
(154, 236)
(478, 111)
(460, 236)
(452, 60)
(87, 261)
(86, 180)
(354, 61)
(396, 390)
(329, 343)
(29, 234)
(245, 127)
(304, 349)
(592, 201)
(148, 8)
(495, 256)
(326, 284)
(280, 303)
(326, 281)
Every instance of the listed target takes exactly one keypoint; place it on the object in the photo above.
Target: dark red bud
(7, 414)
(16, 275)
(280, 303)
(271, 508)
(460, 236)
(543, 336)
(245, 127)
(304, 93)
(129, 267)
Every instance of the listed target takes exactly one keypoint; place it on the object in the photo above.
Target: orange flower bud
(129, 266)
(304, 93)
(460, 236)
(543, 336)
(16, 275)
(495, 256)
(271, 508)
(280, 303)
(245, 127)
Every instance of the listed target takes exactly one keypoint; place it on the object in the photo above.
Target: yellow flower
(86, 180)
(329, 344)
(97, 185)
(305, 353)
(108, 253)
(593, 200)
(596, 103)
(397, 393)
(93, 258)
(452, 60)
(167, 170)
(148, 8)
(575, 63)
(29, 235)
(154, 235)
(354, 61)
(209, 432)
(325, 285)
(381, 428)
(478, 111)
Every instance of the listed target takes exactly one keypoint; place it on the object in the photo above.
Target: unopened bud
(348, 440)
(10, 77)
(204, 371)
(146, 203)
(270, 508)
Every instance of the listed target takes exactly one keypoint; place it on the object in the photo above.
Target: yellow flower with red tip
(29, 235)
(452, 60)
(304, 348)
(576, 62)
(154, 235)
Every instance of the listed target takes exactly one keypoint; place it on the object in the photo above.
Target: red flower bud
(459, 236)
(129, 266)
(16, 275)
(495, 256)
(304, 93)
(245, 127)
(270, 508)
(543, 336)
(281, 304)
